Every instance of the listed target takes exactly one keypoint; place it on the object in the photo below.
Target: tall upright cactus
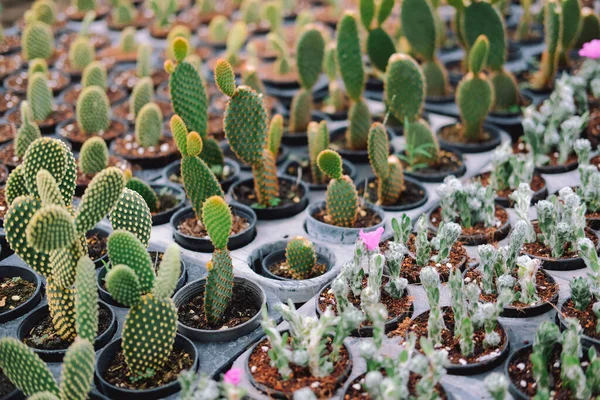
(93, 156)
(543, 79)
(387, 169)
(28, 132)
(93, 110)
(40, 96)
(341, 199)
(475, 94)
(336, 99)
(219, 282)
(37, 41)
(151, 323)
(94, 75)
(571, 26)
(349, 55)
(318, 140)
(190, 101)
(309, 61)
(419, 27)
(524, 27)
(301, 257)
(81, 53)
(245, 126)
(380, 45)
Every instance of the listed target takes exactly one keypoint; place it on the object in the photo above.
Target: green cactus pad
(506, 90)
(168, 273)
(349, 55)
(43, 396)
(300, 111)
(68, 183)
(418, 23)
(125, 248)
(436, 78)
(275, 134)
(301, 257)
(330, 163)
(148, 125)
(142, 94)
(225, 78)
(199, 181)
(86, 300)
(123, 285)
(417, 135)
(93, 110)
(45, 11)
(144, 190)
(318, 140)
(78, 370)
(380, 47)
(127, 41)
(266, 183)
(590, 27)
(61, 302)
(379, 150)
(553, 22)
(478, 55)
(481, 18)
(40, 96)
(37, 65)
(37, 41)
(217, 220)
(474, 98)
(93, 156)
(389, 190)
(179, 132)
(310, 51)
(571, 15)
(251, 79)
(194, 144)
(64, 262)
(218, 29)
(219, 285)
(81, 53)
(143, 66)
(44, 153)
(358, 129)
(48, 189)
(405, 87)
(50, 228)
(99, 198)
(28, 131)
(178, 38)
(132, 214)
(94, 75)
(15, 185)
(342, 201)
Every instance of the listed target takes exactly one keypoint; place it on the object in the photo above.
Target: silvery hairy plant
(510, 169)
(497, 385)
(200, 387)
(590, 73)
(522, 199)
(467, 204)
(587, 251)
(582, 148)
(430, 279)
(448, 233)
(395, 255)
(528, 268)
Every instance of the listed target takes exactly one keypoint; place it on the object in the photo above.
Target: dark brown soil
(239, 311)
(9, 64)
(114, 94)
(478, 228)
(289, 194)
(537, 183)
(595, 161)
(366, 217)
(85, 179)
(412, 193)
(3, 175)
(96, 39)
(43, 336)
(396, 308)
(540, 250)
(6, 386)
(8, 101)
(3, 205)
(593, 127)
(8, 156)
(282, 270)
(128, 78)
(352, 393)
(74, 134)
(14, 292)
(453, 134)
(587, 318)
(122, 112)
(553, 155)
(96, 245)
(65, 66)
(193, 227)
(447, 162)
(128, 148)
(166, 202)
(118, 373)
(62, 112)
(19, 82)
(323, 388)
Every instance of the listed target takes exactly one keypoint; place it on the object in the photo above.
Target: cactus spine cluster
(301, 257)
(380, 45)
(81, 53)
(93, 156)
(318, 140)
(40, 96)
(148, 125)
(37, 41)
(341, 199)
(151, 323)
(387, 169)
(93, 110)
(219, 282)
(28, 132)
(94, 75)
(475, 94)
(245, 126)
(553, 22)
(309, 61)
(349, 55)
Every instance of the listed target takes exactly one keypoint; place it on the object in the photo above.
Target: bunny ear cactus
(275, 134)
(341, 198)
(553, 22)
(235, 41)
(142, 94)
(40, 97)
(28, 132)
(571, 27)
(127, 43)
(251, 79)
(143, 65)
(309, 61)
(590, 27)
(143, 189)
(123, 13)
(380, 45)
(45, 11)
(245, 127)
(301, 257)
(336, 99)
(387, 169)
(94, 75)
(93, 110)
(93, 156)
(85, 5)
(37, 41)
(81, 53)
(475, 94)
(218, 29)
(182, 31)
(283, 64)
(219, 282)
(37, 65)
(148, 125)
(318, 140)
(163, 10)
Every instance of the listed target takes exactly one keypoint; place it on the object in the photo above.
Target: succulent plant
(510, 169)
(142, 94)
(81, 53)
(590, 27)
(318, 140)
(301, 257)
(341, 199)
(200, 386)
(387, 169)
(380, 45)
(93, 156)
(271, 12)
(235, 41)
(336, 100)
(580, 293)
(251, 79)
(37, 65)
(176, 31)
(127, 41)
(143, 189)
(44, 11)
(28, 132)
(524, 27)
(40, 96)
(497, 385)
(94, 75)
(148, 125)
(151, 323)
(143, 66)
(84, 5)
(163, 11)
(123, 13)
(37, 41)
(553, 27)
(93, 110)
(283, 62)
(469, 204)
(218, 28)
(570, 27)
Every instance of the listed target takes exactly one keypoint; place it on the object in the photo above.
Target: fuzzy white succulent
(395, 255)
(589, 189)
(528, 268)
(570, 130)
(470, 203)
(447, 235)
(509, 169)
(582, 148)
(522, 199)
(497, 386)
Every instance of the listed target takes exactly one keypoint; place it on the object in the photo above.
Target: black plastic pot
(470, 148)
(355, 156)
(475, 240)
(556, 169)
(165, 216)
(57, 355)
(102, 233)
(175, 169)
(356, 380)
(277, 394)
(512, 388)
(118, 393)
(565, 264)
(13, 271)
(347, 167)
(204, 245)
(14, 395)
(322, 232)
(422, 176)
(593, 223)
(301, 138)
(254, 294)
(279, 256)
(106, 296)
(408, 182)
(284, 151)
(586, 341)
(285, 91)
(278, 212)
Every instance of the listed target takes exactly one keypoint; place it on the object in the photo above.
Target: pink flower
(233, 376)
(371, 239)
(591, 49)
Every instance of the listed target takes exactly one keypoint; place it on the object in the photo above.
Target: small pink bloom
(371, 239)
(591, 49)
(233, 376)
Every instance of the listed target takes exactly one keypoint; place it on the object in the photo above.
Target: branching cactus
(522, 199)
(589, 189)
(81, 53)
(310, 51)
(148, 125)
(546, 336)
(245, 126)
(151, 323)
(28, 132)
(93, 156)
(251, 79)
(271, 12)
(553, 28)
(380, 45)
(301, 257)
(341, 199)
(318, 140)
(447, 235)
(163, 12)
(94, 75)
(419, 22)
(349, 56)
(395, 254)
(40, 96)
(387, 169)
(127, 41)
(93, 110)
(37, 41)
(336, 100)
(190, 101)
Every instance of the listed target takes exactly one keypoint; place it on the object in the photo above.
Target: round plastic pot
(320, 231)
(538, 195)
(204, 245)
(472, 148)
(512, 388)
(277, 394)
(165, 216)
(355, 156)
(175, 169)
(356, 380)
(556, 169)
(14, 395)
(402, 207)
(347, 167)
(593, 223)
(57, 355)
(285, 91)
(279, 256)
(586, 341)
(301, 138)
(13, 271)
(279, 212)
(106, 296)
(104, 234)
(475, 240)
(438, 177)
(118, 393)
(254, 295)
(565, 264)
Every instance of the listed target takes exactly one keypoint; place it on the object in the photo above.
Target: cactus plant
(318, 140)
(218, 28)
(235, 41)
(570, 28)
(251, 79)
(94, 75)
(151, 323)
(45, 11)
(143, 66)
(37, 41)
(524, 27)
(37, 65)
(40, 96)
(336, 99)
(93, 110)
(182, 31)
(143, 189)
(81, 53)
(283, 64)
(123, 13)
(301, 257)
(590, 27)
(84, 6)
(341, 198)
(142, 94)
(387, 169)
(28, 131)
(475, 94)
(163, 11)
(93, 156)
(148, 125)
(245, 126)
(127, 43)
(553, 29)
(380, 45)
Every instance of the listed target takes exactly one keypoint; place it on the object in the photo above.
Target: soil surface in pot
(14, 292)
(553, 155)
(19, 82)
(395, 307)
(366, 217)
(339, 142)
(62, 112)
(194, 227)
(411, 194)
(289, 194)
(7, 102)
(323, 388)
(545, 288)
(118, 54)
(447, 162)
(356, 391)
(6, 386)
(166, 201)
(453, 134)
(128, 147)
(268, 72)
(587, 318)
(537, 183)
(9, 43)
(9, 64)
(8, 156)
(97, 40)
(118, 373)
(73, 133)
(239, 311)
(222, 174)
(43, 336)
(282, 269)
(541, 250)
(477, 228)
(96, 245)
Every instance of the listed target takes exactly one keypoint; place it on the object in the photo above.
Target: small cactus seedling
(245, 126)
(151, 323)
(148, 125)
(341, 198)
(94, 75)
(349, 55)
(28, 132)
(40, 96)
(93, 156)
(142, 94)
(309, 61)
(163, 11)
(301, 257)
(93, 110)
(336, 100)
(318, 140)
(283, 64)
(553, 22)
(143, 189)
(81, 53)
(37, 41)
(475, 94)
(127, 43)
(387, 169)
(380, 45)
(143, 66)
